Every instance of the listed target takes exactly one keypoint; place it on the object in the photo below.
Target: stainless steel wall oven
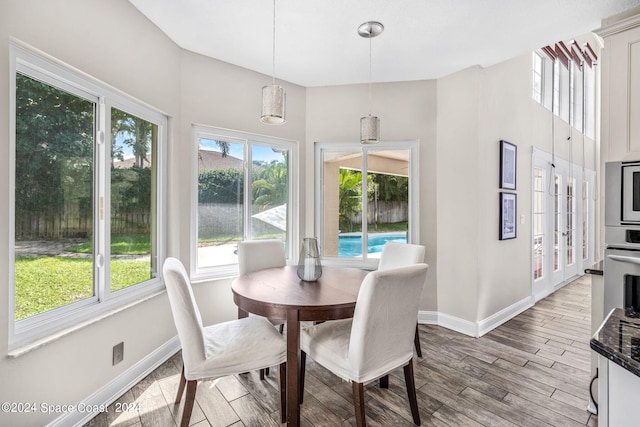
(622, 237)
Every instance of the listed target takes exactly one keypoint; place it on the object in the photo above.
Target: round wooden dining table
(278, 293)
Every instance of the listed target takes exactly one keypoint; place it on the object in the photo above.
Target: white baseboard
(474, 329)
(457, 324)
(119, 385)
(508, 313)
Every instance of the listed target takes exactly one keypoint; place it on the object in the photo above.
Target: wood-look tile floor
(530, 371)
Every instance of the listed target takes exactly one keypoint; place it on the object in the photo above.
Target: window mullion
(102, 176)
(365, 203)
(247, 192)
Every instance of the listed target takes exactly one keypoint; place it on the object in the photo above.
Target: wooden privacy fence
(383, 213)
(77, 224)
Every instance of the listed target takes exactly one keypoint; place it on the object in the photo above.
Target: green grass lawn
(44, 283)
(132, 244)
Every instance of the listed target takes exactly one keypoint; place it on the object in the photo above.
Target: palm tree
(270, 185)
(350, 197)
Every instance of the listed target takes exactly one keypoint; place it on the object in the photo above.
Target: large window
(86, 200)
(365, 197)
(244, 191)
(566, 88)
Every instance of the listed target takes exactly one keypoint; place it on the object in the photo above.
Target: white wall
(504, 274)
(407, 112)
(457, 193)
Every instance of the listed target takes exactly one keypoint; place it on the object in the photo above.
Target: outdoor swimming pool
(350, 245)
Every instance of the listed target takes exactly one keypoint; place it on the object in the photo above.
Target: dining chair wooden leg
(261, 374)
(411, 391)
(384, 381)
(283, 392)
(303, 370)
(281, 328)
(416, 341)
(358, 403)
(183, 381)
(192, 385)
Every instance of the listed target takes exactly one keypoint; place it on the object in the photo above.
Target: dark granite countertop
(618, 339)
(596, 268)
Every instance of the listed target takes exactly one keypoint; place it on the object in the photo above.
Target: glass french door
(562, 222)
(565, 217)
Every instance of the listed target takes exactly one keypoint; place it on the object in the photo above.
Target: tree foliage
(131, 131)
(55, 133)
(386, 188)
(54, 148)
(391, 188)
(270, 186)
(220, 186)
(350, 197)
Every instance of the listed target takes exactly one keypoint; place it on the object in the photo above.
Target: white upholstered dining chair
(254, 255)
(218, 350)
(395, 254)
(379, 338)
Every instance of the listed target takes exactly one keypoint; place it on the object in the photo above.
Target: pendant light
(370, 125)
(273, 97)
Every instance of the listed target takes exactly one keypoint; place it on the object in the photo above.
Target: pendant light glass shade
(273, 105)
(369, 130)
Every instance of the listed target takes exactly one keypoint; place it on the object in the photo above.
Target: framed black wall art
(508, 159)
(508, 211)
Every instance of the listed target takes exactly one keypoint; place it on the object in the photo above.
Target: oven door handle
(621, 258)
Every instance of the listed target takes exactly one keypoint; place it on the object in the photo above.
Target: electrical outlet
(118, 353)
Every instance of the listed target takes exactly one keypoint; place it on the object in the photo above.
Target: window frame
(413, 146)
(577, 96)
(538, 58)
(55, 73)
(590, 97)
(199, 131)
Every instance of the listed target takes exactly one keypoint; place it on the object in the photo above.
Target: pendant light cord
(273, 79)
(370, 56)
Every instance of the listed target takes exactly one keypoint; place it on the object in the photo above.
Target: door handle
(622, 258)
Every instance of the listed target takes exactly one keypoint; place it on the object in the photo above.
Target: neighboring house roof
(128, 163)
(206, 160)
(214, 160)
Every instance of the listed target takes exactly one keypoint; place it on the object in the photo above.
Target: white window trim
(414, 192)
(204, 131)
(52, 323)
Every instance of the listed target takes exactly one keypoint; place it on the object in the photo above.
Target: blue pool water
(350, 245)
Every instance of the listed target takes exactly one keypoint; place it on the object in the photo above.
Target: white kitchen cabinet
(620, 90)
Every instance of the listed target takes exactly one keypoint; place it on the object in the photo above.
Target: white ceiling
(317, 42)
